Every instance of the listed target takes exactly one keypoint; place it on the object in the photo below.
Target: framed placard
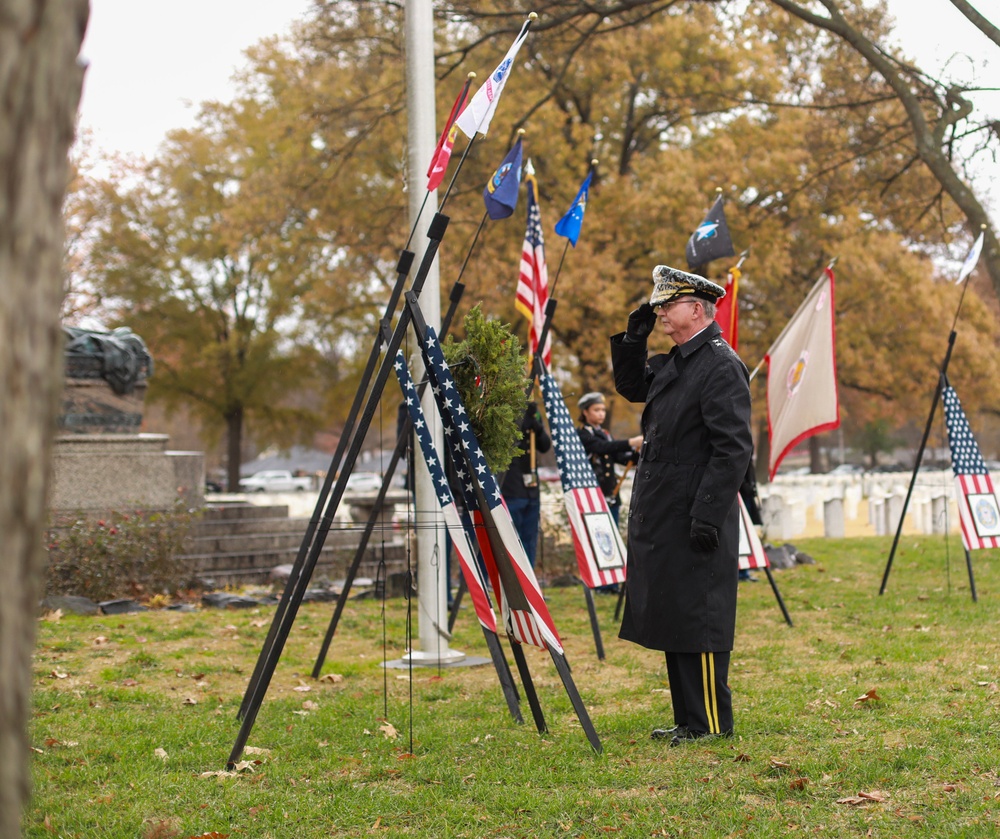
(600, 530)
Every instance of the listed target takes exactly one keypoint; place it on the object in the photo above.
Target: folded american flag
(459, 536)
(525, 615)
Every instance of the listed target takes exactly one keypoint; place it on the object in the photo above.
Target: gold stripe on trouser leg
(708, 686)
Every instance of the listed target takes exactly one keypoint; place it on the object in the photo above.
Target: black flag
(711, 239)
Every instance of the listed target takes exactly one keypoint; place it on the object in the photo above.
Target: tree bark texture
(40, 83)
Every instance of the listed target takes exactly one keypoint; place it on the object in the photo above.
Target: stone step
(240, 543)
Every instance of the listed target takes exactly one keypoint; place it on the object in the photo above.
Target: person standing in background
(520, 483)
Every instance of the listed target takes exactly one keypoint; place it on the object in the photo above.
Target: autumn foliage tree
(814, 150)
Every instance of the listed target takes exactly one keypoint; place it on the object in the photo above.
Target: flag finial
(520, 132)
(472, 75)
(532, 15)
(594, 162)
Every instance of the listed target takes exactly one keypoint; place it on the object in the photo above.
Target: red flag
(727, 312)
(802, 374)
(445, 143)
(533, 281)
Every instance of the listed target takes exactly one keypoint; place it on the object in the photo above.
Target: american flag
(533, 281)
(525, 615)
(978, 509)
(600, 552)
(752, 554)
(459, 536)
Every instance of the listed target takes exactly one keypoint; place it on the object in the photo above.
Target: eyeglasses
(671, 303)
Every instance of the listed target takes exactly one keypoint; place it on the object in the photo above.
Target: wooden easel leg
(594, 626)
(777, 594)
(581, 711)
(972, 579)
(504, 674)
(529, 687)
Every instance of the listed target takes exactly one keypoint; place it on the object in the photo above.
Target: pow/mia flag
(711, 240)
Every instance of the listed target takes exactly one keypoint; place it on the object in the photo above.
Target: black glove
(532, 419)
(704, 536)
(641, 323)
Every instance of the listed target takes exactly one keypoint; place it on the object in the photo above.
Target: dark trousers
(524, 514)
(699, 691)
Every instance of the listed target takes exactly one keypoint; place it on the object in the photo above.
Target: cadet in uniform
(603, 449)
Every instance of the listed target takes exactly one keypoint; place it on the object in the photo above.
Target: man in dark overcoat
(683, 528)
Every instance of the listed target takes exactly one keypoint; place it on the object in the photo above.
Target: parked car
(275, 480)
(364, 482)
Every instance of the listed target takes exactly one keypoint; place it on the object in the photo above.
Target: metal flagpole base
(446, 658)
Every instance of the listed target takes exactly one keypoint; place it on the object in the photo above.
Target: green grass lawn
(872, 716)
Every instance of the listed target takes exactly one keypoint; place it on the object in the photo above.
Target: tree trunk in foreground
(40, 84)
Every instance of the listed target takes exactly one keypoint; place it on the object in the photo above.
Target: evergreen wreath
(488, 369)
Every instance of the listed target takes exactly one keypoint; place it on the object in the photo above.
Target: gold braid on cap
(671, 283)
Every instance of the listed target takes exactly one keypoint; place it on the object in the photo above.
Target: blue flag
(500, 194)
(569, 225)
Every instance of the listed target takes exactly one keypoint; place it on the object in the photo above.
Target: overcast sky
(151, 63)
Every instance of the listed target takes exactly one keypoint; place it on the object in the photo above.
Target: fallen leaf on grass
(742, 758)
(210, 835)
(799, 783)
(53, 616)
(161, 754)
(389, 730)
(302, 687)
(129, 683)
(57, 674)
(777, 764)
(863, 798)
(333, 678)
(309, 705)
(256, 750)
(870, 696)
(189, 700)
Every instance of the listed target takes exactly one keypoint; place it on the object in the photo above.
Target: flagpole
(942, 378)
(555, 281)
(965, 285)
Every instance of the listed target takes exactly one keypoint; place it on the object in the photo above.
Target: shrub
(122, 554)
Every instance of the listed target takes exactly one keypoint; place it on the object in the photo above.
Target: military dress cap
(593, 398)
(671, 283)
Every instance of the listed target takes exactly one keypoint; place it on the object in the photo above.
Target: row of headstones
(785, 509)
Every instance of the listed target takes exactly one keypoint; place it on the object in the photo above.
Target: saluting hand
(641, 322)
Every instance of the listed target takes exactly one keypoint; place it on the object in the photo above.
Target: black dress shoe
(689, 735)
(668, 733)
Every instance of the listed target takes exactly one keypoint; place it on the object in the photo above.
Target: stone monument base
(103, 472)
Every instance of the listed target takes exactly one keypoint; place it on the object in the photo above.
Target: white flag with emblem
(479, 112)
(802, 375)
